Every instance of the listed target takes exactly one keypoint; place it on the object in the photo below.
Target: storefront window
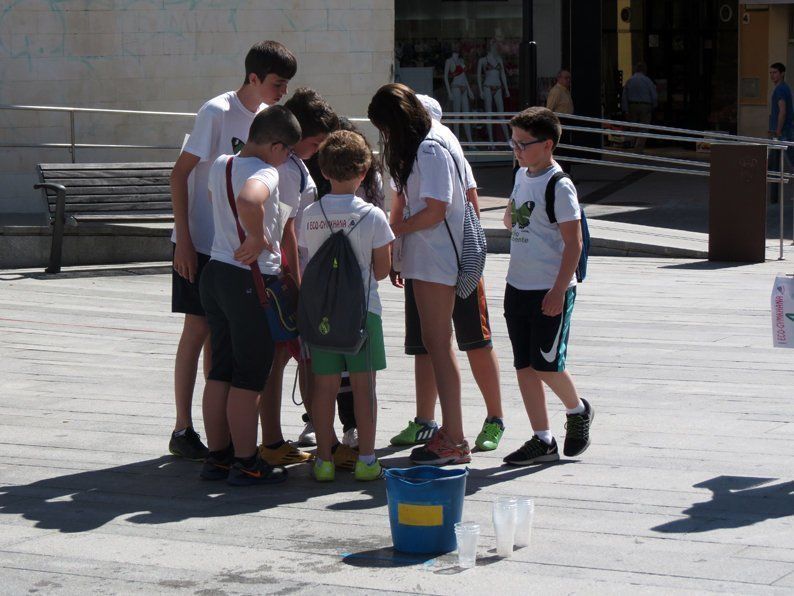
(464, 54)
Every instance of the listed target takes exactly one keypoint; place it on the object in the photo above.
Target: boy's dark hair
(344, 155)
(270, 57)
(778, 66)
(540, 122)
(314, 114)
(275, 124)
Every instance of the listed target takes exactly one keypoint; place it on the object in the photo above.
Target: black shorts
(185, 295)
(242, 349)
(469, 316)
(538, 341)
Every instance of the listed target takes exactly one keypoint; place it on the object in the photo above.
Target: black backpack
(333, 303)
(581, 267)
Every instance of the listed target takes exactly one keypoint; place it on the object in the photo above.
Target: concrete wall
(168, 55)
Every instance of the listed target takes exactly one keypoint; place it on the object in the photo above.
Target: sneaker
(366, 472)
(441, 451)
(188, 445)
(307, 438)
(218, 464)
(415, 434)
(285, 455)
(324, 471)
(577, 431)
(258, 473)
(534, 451)
(345, 457)
(350, 438)
(489, 436)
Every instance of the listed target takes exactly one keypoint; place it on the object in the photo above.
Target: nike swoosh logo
(256, 474)
(551, 355)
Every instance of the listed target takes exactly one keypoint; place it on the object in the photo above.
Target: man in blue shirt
(639, 100)
(780, 117)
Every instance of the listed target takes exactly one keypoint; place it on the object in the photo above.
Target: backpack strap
(259, 282)
(551, 188)
(300, 171)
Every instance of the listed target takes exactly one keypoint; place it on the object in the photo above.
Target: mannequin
(492, 80)
(458, 88)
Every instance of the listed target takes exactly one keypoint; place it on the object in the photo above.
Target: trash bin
(425, 503)
(737, 203)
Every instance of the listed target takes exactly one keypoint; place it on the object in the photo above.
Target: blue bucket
(425, 503)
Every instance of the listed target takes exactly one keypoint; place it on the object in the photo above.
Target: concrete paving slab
(687, 487)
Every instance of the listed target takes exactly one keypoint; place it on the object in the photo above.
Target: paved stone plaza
(688, 486)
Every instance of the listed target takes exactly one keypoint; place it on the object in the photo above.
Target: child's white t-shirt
(535, 243)
(226, 240)
(428, 254)
(221, 126)
(345, 212)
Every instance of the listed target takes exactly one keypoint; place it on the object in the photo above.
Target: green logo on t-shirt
(325, 326)
(522, 215)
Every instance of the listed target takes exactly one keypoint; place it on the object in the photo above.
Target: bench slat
(164, 165)
(101, 174)
(74, 194)
(163, 206)
(126, 181)
(125, 217)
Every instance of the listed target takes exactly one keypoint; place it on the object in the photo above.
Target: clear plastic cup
(525, 512)
(504, 521)
(467, 534)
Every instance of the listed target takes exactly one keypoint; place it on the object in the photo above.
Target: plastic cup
(525, 511)
(467, 535)
(504, 521)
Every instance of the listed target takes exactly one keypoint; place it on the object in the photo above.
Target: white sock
(577, 410)
(545, 436)
(367, 459)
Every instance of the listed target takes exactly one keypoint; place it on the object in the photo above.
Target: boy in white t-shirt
(221, 127)
(344, 160)
(541, 287)
(296, 190)
(242, 349)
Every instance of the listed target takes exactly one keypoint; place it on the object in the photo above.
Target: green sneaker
(489, 436)
(415, 434)
(324, 471)
(368, 472)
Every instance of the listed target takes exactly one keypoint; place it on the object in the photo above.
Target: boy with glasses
(541, 286)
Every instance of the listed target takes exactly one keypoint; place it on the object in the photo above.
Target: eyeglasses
(519, 146)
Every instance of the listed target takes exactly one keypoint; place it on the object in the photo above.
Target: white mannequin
(458, 89)
(492, 81)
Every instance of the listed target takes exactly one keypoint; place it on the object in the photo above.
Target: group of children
(247, 210)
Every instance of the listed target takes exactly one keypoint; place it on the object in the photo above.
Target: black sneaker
(577, 431)
(258, 473)
(188, 445)
(218, 464)
(534, 451)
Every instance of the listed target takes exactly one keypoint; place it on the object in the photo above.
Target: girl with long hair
(428, 215)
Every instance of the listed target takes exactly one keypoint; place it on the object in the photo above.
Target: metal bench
(102, 193)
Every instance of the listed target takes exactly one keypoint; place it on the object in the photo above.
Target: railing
(640, 161)
(582, 125)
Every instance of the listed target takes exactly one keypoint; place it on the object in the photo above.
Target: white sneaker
(350, 438)
(308, 438)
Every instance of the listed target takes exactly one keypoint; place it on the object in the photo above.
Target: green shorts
(371, 357)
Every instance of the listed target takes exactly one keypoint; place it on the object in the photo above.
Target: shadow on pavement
(736, 502)
(706, 265)
(88, 272)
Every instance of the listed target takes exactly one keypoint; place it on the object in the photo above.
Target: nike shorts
(538, 341)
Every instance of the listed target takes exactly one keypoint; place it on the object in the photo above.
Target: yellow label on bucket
(420, 515)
